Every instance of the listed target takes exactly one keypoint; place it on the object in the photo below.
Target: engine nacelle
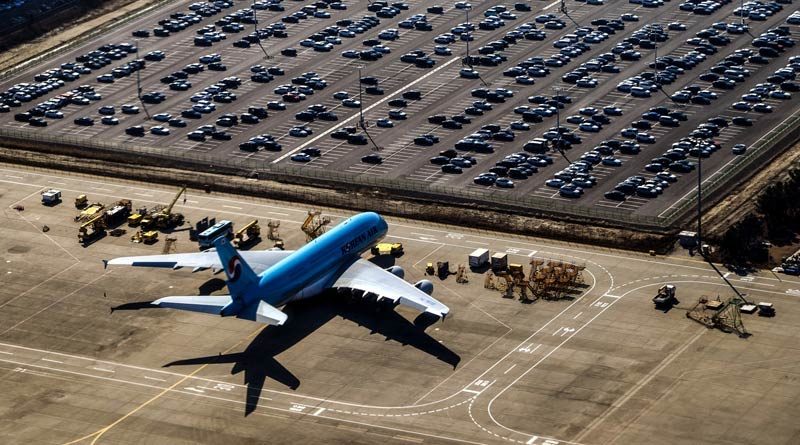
(425, 286)
(397, 271)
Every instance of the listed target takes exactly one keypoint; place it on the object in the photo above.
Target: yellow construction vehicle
(148, 237)
(90, 212)
(315, 224)
(92, 229)
(81, 202)
(387, 249)
(163, 217)
(429, 269)
(135, 219)
(253, 232)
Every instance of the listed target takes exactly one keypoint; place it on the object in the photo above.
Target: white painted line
(356, 115)
(146, 195)
(7, 353)
(154, 378)
(231, 207)
(557, 331)
(576, 317)
(532, 440)
(15, 177)
(51, 360)
(278, 213)
(195, 390)
(472, 391)
(476, 242)
(551, 5)
(509, 369)
(727, 274)
(611, 296)
(424, 234)
(102, 369)
(102, 189)
(533, 252)
(318, 412)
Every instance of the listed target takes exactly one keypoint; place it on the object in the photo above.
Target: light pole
(360, 103)
(700, 202)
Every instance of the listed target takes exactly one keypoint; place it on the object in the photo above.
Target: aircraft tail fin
(241, 276)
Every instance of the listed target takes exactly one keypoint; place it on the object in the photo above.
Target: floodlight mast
(139, 83)
(361, 122)
(267, 56)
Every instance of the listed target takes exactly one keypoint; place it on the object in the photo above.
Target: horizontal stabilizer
(208, 304)
(269, 314)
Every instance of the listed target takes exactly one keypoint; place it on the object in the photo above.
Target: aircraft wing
(365, 276)
(258, 260)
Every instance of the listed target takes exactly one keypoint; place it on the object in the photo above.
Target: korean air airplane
(260, 282)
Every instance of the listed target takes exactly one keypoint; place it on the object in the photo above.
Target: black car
(85, 121)
(37, 122)
(615, 195)
(191, 114)
(373, 158)
(136, 130)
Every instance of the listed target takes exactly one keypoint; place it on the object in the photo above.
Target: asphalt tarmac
(599, 366)
(443, 92)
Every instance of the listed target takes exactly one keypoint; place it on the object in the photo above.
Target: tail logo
(234, 268)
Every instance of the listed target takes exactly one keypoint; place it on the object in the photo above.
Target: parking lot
(440, 84)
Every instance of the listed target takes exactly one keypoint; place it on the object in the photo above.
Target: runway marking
(318, 412)
(146, 195)
(509, 369)
(640, 384)
(231, 207)
(7, 353)
(102, 369)
(154, 378)
(469, 390)
(99, 433)
(51, 360)
(575, 317)
(611, 296)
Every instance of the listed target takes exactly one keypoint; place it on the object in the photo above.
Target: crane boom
(168, 210)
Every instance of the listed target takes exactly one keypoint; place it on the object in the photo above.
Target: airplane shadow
(258, 362)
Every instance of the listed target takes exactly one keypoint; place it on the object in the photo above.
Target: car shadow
(258, 362)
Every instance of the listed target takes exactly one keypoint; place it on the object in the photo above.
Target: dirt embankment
(742, 201)
(110, 12)
(358, 199)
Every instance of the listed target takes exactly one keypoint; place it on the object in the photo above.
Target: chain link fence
(516, 203)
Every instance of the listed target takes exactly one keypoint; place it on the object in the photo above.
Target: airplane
(260, 282)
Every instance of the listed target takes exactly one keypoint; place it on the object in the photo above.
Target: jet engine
(425, 286)
(397, 271)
